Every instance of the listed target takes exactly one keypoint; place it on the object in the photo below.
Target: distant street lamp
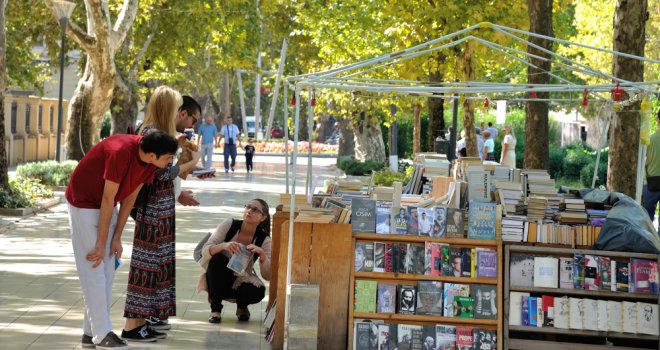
(63, 10)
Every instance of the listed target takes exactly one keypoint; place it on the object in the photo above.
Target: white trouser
(207, 155)
(96, 283)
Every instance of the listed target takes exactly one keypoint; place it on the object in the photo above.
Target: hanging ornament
(617, 92)
(585, 101)
(533, 93)
(293, 100)
(486, 102)
(263, 89)
(314, 99)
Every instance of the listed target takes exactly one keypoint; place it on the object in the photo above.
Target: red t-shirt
(117, 159)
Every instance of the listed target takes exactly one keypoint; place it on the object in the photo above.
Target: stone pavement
(40, 297)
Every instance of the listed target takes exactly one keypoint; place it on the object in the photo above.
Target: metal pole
(276, 91)
(451, 153)
(241, 100)
(58, 155)
(291, 217)
(394, 136)
(310, 128)
(286, 138)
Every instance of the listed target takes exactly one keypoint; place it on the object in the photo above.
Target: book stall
(466, 255)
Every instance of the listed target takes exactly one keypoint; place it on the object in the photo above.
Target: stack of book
(414, 186)
(571, 211)
(513, 227)
(509, 194)
(536, 208)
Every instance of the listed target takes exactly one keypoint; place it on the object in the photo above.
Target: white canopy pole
(292, 208)
(286, 138)
(310, 128)
(241, 100)
(276, 90)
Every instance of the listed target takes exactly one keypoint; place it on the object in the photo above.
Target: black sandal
(215, 319)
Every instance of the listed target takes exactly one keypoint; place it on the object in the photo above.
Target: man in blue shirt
(206, 135)
(230, 134)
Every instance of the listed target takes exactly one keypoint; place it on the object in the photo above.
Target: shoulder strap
(233, 230)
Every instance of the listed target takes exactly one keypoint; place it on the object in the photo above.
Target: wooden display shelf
(426, 318)
(525, 344)
(582, 332)
(391, 277)
(586, 293)
(464, 242)
(412, 277)
(517, 343)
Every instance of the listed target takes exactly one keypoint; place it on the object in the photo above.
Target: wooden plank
(524, 344)
(586, 293)
(425, 318)
(517, 248)
(582, 332)
(394, 276)
(500, 300)
(461, 242)
(278, 219)
(330, 267)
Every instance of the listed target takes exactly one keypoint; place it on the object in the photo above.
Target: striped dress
(151, 287)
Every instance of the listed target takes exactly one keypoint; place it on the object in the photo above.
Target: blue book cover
(532, 311)
(525, 310)
(482, 220)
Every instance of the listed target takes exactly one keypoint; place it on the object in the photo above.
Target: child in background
(249, 155)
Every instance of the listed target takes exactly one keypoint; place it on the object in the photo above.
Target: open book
(240, 261)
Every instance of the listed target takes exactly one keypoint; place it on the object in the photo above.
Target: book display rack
(559, 298)
(379, 296)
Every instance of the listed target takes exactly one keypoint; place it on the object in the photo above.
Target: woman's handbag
(197, 252)
(141, 200)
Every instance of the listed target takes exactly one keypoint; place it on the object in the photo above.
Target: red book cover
(464, 338)
(645, 275)
(436, 259)
(388, 257)
(548, 310)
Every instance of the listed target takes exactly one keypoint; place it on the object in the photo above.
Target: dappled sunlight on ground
(40, 297)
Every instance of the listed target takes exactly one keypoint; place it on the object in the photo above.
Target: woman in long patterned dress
(151, 280)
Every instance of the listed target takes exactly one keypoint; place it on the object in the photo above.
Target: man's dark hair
(159, 143)
(463, 152)
(190, 105)
(490, 124)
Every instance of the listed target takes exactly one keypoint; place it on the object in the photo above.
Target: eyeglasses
(194, 119)
(254, 209)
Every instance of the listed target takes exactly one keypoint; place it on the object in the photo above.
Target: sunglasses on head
(254, 209)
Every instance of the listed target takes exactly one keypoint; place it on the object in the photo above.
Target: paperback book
(364, 257)
(429, 298)
(413, 221)
(401, 221)
(485, 300)
(386, 298)
(482, 220)
(365, 296)
(407, 299)
(363, 215)
(439, 221)
(452, 290)
(445, 336)
(484, 339)
(383, 209)
(455, 223)
(522, 266)
(486, 263)
(425, 221)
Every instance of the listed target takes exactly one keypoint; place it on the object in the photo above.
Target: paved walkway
(40, 297)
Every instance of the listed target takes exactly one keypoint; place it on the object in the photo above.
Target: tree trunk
(536, 121)
(417, 129)
(4, 175)
(468, 109)
(124, 107)
(629, 37)
(436, 105)
(369, 143)
(89, 103)
(346, 139)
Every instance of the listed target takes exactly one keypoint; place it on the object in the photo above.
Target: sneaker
(112, 341)
(159, 324)
(138, 334)
(156, 334)
(243, 314)
(232, 170)
(87, 342)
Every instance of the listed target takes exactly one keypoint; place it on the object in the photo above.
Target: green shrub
(587, 173)
(50, 173)
(387, 177)
(344, 161)
(23, 193)
(363, 168)
(557, 156)
(578, 156)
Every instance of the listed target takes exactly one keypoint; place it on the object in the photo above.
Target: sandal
(215, 319)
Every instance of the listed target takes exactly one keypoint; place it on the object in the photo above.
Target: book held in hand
(240, 261)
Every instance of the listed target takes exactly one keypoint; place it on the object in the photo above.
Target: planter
(45, 204)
